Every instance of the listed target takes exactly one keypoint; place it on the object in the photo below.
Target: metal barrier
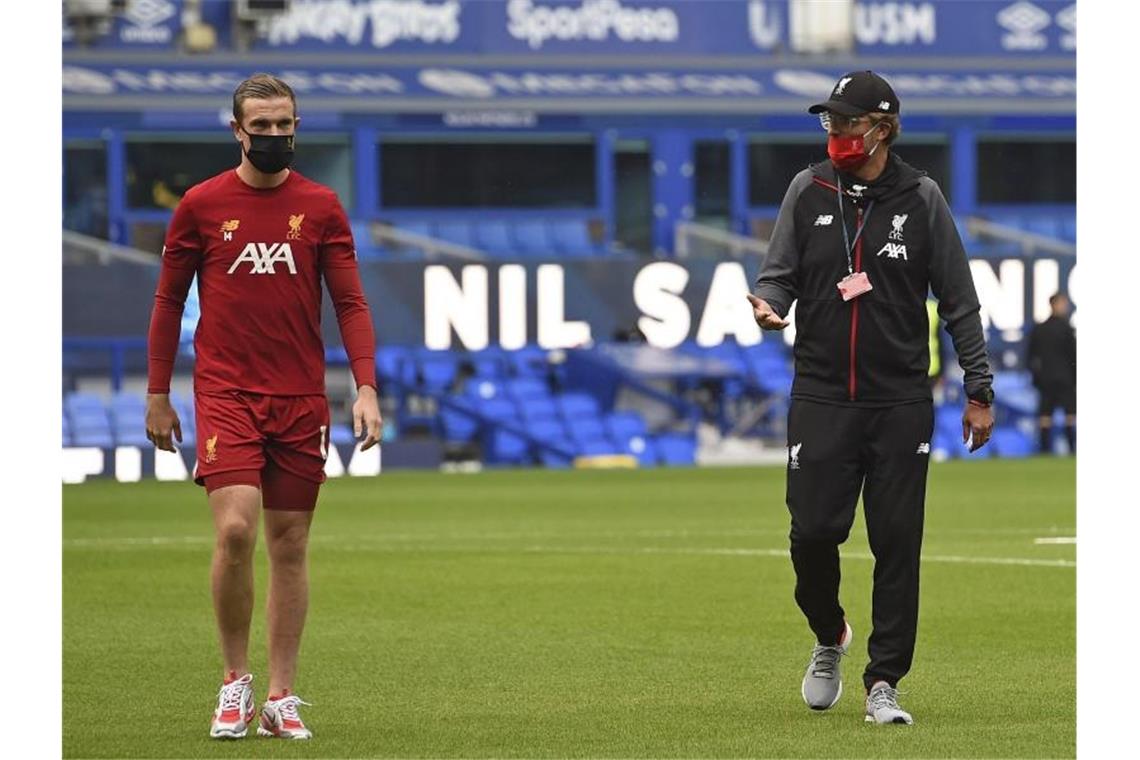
(689, 235)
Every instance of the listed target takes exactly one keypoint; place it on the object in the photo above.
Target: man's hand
(765, 317)
(366, 416)
(161, 421)
(979, 422)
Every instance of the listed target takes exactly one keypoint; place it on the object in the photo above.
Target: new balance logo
(794, 456)
(823, 220)
(264, 256)
(923, 448)
(894, 251)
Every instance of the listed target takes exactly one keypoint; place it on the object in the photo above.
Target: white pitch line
(1056, 540)
(348, 545)
(726, 552)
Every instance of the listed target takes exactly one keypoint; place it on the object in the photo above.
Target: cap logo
(884, 105)
(839, 88)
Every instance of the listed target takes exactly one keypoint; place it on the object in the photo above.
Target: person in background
(1053, 362)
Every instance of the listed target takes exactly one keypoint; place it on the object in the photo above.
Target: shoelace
(824, 660)
(287, 707)
(885, 696)
(231, 695)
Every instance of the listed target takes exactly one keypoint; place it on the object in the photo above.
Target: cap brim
(838, 107)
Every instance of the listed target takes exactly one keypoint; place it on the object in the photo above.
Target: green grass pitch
(575, 614)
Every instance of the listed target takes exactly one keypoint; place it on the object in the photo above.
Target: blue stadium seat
(437, 370)
(771, 375)
(504, 447)
(1069, 228)
(483, 389)
(395, 363)
(499, 409)
(945, 446)
(546, 429)
(598, 447)
(640, 446)
(341, 435)
(1043, 224)
(418, 227)
(587, 429)
(456, 426)
(532, 238)
(676, 449)
(455, 232)
(97, 438)
(526, 362)
(128, 400)
(136, 436)
(78, 401)
(539, 409)
(948, 422)
(577, 406)
(526, 388)
(494, 236)
(489, 363)
(366, 248)
(622, 426)
(1009, 442)
(571, 237)
(555, 460)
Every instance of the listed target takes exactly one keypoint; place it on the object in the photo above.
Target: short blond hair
(261, 87)
(891, 119)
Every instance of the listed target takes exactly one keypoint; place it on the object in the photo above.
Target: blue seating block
(456, 232)
(572, 238)
(526, 388)
(494, 236)
(532, 238)
(676, 449)
(577, 406)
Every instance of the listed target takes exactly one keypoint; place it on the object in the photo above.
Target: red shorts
(278, 442)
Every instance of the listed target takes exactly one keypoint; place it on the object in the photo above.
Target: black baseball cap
(857, 93)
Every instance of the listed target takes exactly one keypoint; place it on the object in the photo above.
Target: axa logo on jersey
(263, 257)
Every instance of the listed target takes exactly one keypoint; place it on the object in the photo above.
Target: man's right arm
(778, 283)
(181, 255)
(180, 258)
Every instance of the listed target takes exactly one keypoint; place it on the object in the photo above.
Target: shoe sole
(226, 733)
(895, 722)
(270, 735)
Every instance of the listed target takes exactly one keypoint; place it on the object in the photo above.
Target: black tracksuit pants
(833, 453)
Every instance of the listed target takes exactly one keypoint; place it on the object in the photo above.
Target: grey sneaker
(822, 686)
(883, 706)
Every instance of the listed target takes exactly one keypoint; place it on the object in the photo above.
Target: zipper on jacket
(855, 308)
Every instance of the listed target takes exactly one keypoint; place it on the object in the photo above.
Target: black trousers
(834, 452)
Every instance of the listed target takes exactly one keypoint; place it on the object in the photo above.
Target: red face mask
(849, 152)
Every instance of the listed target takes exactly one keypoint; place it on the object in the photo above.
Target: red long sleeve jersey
(259, 255)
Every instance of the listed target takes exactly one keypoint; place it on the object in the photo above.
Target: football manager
(860, 241)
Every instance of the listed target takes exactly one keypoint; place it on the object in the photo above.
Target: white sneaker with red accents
(279, 718)
(235, 709)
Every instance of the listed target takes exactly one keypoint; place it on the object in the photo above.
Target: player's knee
(289, 545)
(236, 540)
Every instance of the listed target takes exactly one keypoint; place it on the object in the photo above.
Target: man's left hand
(978, 422)
(366, 417)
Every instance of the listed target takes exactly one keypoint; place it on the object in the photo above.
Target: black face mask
(270, 153)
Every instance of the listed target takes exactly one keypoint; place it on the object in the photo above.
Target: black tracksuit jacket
(873, 350)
